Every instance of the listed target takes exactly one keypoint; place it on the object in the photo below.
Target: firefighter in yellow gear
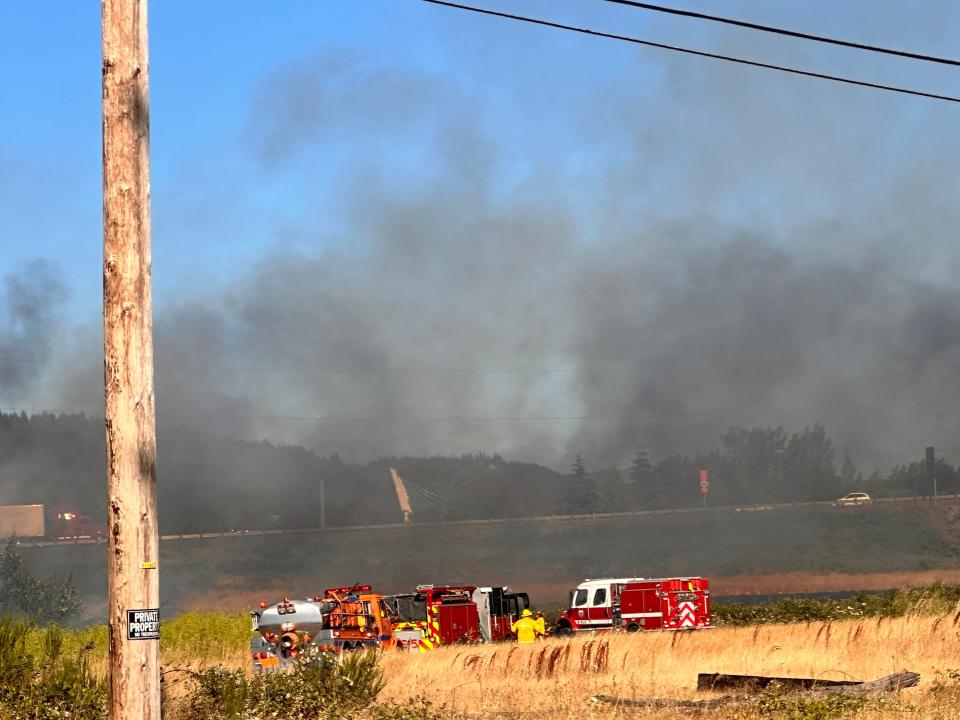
(525, 628)
(541, 628)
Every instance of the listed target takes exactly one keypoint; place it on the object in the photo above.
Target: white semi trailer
(26, 521)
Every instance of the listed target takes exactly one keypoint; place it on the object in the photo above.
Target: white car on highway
(855, 498)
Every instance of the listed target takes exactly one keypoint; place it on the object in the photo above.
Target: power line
(697, 53)
(610, 367)
(650, 415)
(858, 455)
(782, 31)
(332, 370)
(427, 496)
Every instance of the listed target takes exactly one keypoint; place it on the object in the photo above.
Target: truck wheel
(632, 627)
(564, 631)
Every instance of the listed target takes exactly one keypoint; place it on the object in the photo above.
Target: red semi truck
(60, 522)
(68, 523)
(633, 604)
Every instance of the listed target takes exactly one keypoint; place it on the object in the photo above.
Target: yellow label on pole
(148, 566)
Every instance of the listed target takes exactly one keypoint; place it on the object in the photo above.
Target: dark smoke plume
(709, 247)
(32, 312)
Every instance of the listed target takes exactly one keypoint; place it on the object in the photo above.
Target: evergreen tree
(612, 490)
(580, 494)
(640, 468)
(848, 472)
(578, 470)
(642, 491)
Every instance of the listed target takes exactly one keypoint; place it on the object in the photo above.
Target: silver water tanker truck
(345, 618)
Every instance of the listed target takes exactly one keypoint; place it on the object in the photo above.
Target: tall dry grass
(558, 677)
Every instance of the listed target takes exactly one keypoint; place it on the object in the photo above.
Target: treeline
(210, 483)
(752, 466)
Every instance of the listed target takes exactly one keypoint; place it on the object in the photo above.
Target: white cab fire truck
(633, 604)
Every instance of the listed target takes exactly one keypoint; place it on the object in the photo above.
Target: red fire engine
(498, 609)
(446, 614)
(637, 604)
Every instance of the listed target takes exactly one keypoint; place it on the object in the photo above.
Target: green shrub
(773, 702)
(417, 709)
(316, 687)
(782, 703)
(48, 683)
(26, 596)
(45, 674)
(935, 599)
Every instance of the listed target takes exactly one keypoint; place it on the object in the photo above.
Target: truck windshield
(581, 598)
(409, 608)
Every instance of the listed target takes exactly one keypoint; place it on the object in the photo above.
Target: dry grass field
(558, 677)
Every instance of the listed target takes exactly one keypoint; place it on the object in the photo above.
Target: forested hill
(210, 483)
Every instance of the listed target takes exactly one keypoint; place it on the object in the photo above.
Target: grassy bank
(204, 656)
(932, 600)
(219, 638)
(559, 677)
(546, 558)
(190, 639)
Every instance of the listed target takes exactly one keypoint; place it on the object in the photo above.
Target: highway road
(944, 499)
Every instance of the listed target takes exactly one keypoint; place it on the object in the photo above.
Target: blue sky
(210, 61)
(441, 164)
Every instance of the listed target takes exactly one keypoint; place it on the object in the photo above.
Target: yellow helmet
(526, 613)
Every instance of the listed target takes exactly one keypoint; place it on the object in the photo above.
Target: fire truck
(342, 619)
(447, 614)
(633, 604)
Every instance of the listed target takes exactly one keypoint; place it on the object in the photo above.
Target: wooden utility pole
(134, 588)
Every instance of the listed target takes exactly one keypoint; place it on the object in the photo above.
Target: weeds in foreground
(932, 600)
(40, 681)
(316, 687)
(48, 684)
(773, 702)
(946, 682)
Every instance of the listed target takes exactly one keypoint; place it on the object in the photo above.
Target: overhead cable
(787, 33)
(689, 51)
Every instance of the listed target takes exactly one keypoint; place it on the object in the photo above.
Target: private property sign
(143, 624)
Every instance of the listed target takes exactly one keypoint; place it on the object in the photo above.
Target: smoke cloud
(715, 246)
(33, 305)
